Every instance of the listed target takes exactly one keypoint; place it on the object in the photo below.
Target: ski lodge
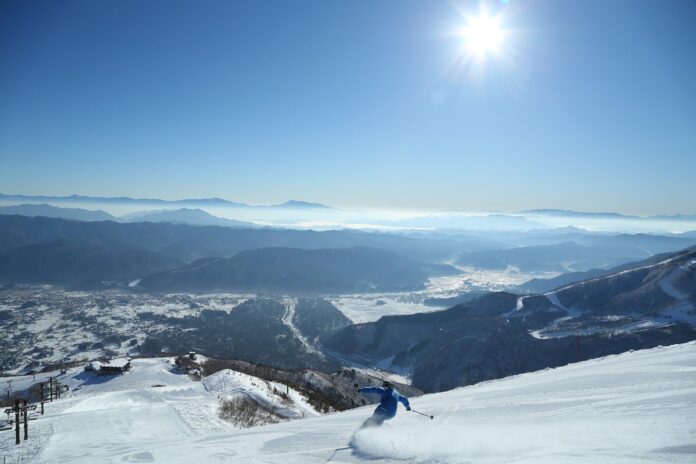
(114, 366)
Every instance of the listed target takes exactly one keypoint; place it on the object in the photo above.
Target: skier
(389, 401)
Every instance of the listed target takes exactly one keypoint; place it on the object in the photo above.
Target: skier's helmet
(387, 384)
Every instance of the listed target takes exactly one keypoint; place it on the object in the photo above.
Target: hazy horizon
(385, 220)
(65, 198)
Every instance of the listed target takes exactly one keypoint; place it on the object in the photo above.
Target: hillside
(634, 407)
(279, 332)
(46, 210)
(539, 285)
(192, 216)
(49, 327)
(500, 334)
(218, 202)
(358, 269)
(78, 264)
(188, 242)
(566, 256)
(650, 287)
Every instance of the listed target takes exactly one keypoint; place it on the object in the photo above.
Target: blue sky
(591, 104)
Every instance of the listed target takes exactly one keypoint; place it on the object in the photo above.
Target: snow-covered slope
(635, 407)
(287, 402)
(152, 402)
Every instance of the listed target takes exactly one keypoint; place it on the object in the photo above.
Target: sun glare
(482, 35)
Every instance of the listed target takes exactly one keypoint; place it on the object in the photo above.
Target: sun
(483, 40)
(482, 35)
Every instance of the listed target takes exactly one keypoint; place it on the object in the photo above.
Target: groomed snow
(635, 407)
(151, 402)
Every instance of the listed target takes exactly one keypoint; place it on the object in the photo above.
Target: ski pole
(422, 414)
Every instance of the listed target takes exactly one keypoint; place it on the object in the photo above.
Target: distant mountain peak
(301, 204)
(214, 201)
(568, 212)
(47, 210)
(193, 216)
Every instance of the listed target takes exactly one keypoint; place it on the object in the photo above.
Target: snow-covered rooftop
(118, 363)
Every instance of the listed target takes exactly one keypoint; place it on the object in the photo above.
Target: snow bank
(437, 443)
(569, 440)
(286, 402)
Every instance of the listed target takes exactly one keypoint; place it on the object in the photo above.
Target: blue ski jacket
(389, 399)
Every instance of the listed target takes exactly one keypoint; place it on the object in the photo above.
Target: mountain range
(192, 216)
(58, 251)
(187, 243)
(188, 202)
(85, 265)
(583, 253)
(647, 304)
(635, 305)
(166, 246)
(606, 215)
(293, 270)
(46, 210)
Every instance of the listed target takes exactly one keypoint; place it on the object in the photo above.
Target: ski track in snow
(553, 298)
(519, 304)
(627, 271)
(667, 286)
(634, 407)
(683, 309)
(290, 304)
(680, 311)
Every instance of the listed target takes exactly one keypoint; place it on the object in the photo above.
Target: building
(114, 366)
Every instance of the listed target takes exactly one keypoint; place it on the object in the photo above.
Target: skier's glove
(408, 408)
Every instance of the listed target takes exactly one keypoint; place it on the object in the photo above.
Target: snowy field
(370, 307)
(45, 325)
(630, 408)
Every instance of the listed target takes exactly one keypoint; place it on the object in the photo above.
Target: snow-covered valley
(634, 407)
(47, 325)
(370, 307)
